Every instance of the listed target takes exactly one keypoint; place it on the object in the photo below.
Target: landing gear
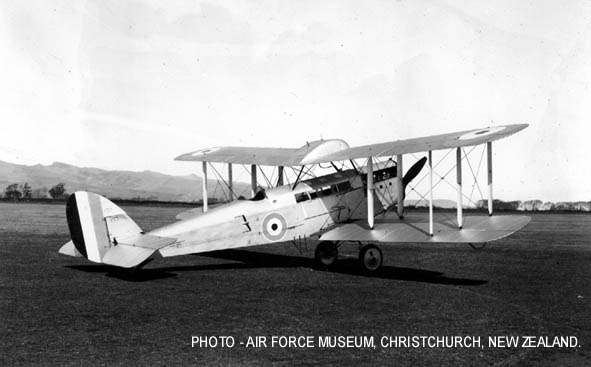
(370, 258)
(326, 254)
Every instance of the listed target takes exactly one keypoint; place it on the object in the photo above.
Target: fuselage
(283, 213)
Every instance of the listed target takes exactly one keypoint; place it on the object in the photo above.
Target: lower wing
(415, 228)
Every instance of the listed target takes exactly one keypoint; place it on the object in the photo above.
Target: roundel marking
(274, 227)
(481, 133)
(204, 151)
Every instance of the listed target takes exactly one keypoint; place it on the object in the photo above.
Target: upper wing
(244, 155)
(434, 142)
(267, 156)
(338, 150)
(414, 228)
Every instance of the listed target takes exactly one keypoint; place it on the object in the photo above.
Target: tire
(370, 258)
(326, 254)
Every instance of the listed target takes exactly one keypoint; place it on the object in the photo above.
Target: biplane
(343, 206)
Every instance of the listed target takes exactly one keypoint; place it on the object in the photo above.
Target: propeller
(413, 171)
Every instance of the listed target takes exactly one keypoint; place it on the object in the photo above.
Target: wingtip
(184, 157)
(520, 127)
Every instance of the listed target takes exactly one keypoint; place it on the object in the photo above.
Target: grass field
(56, 310)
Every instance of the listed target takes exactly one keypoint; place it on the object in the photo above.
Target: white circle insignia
(274, 227)
(204, 151)
(481, 133)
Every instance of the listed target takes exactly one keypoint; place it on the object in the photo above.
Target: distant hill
(146, 185)
(154, 186)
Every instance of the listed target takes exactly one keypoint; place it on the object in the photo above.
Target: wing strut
(253, 179)
(297, 180)
(230, 185)
(279, 176)
(370, 217)
(354, 166)
(490, 178)
(204, 193)
(431, 193)
(400, 194)
(459, 181)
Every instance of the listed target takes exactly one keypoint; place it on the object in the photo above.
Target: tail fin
(96, 223)
(103, 233)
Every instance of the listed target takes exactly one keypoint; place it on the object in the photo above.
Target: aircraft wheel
(326, 254)
(370, 257)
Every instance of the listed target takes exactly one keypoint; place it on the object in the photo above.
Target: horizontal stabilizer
(414, 228)
(147, 241)
(127, 256)
(70, 250)
(134, 250)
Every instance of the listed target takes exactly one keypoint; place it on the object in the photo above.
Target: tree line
(24, 191)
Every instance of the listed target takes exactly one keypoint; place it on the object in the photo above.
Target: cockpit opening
(260, 195)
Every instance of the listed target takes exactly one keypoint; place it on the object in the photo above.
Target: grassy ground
(56, 310)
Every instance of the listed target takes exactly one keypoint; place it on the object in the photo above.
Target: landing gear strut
(326, 254)
(370, 258)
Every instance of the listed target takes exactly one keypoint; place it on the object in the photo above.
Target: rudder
(96, 224)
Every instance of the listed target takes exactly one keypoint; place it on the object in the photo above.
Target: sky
(130, 85)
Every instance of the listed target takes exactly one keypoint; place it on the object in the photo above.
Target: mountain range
(150, 185)
(145, 185)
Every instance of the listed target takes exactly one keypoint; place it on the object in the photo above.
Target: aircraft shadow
(348, 266)
(137, 275)
(255, 260)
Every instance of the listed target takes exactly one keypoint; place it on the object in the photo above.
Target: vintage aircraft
(339, 207)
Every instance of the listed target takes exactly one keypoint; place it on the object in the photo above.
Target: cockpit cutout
(260, 195)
